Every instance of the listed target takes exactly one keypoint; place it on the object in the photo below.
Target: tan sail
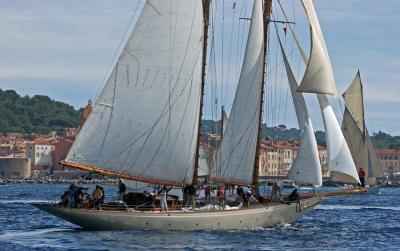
(353, 97)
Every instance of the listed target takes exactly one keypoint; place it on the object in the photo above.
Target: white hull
(256, 216)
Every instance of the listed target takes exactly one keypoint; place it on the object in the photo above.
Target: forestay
(236, 154)
(306, 167)
(144, 123)
(318, 77)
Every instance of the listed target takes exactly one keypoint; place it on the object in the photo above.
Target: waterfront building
(61, 148)
(41, 153)
(390, 161)
(15, 167)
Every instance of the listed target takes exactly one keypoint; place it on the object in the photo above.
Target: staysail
(235, 156)
(144, 123)
(339, 156)
(306, 167)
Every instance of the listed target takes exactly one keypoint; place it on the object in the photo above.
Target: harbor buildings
(390, 161)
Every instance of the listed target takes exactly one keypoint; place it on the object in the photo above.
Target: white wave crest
(352, 207)
(24, 201)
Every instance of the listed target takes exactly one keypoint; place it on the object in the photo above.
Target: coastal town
(36, 157)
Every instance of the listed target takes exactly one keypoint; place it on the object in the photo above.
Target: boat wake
(11, 234)
(5, 202)
(343, 207)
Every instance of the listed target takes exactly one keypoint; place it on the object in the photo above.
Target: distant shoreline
(48, 180)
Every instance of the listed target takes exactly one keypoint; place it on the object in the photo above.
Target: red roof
(387, 151)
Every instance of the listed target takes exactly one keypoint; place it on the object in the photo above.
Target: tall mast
(206, 15)
(266, 14)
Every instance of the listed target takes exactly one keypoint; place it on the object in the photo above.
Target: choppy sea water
(352, 222)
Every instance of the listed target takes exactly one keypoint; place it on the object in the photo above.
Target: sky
(64, 49)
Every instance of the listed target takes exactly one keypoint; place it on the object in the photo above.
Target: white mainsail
(236, 154)
(145, 121)
(306, 167)
(339, 156)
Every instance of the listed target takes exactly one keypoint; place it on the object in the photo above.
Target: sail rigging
(148, 132)
(306, 167)
(235, 156)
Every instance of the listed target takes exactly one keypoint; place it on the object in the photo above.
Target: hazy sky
(64, 49)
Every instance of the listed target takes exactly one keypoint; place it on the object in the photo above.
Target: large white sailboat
(145, 125)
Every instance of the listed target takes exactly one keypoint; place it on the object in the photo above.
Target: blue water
(353, 222)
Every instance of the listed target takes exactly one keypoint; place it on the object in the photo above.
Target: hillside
(380, 139)
(37, 114)
(40, 114)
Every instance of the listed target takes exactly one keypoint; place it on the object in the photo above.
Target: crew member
(361, 175)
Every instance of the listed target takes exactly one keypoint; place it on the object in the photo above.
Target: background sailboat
(356, 132)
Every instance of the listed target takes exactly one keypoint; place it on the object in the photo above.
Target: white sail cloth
(339, 156)
(318, 77)
(144, 123)
(306, 167)
(236, 154)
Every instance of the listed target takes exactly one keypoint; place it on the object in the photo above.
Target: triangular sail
(353, 97)
(357, 145)
(375, 169)
(306, 167)
(356, 134)
(144, 123)
(339, 156)
(235, 156)
(318, 77)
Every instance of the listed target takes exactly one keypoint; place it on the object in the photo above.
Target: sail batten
(149, 127)
(235, 156)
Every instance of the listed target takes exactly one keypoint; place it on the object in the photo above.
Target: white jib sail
(357, 145)
(236, 154)
(339, 156)
(306, 167)
(144, 123)
(318, 77)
